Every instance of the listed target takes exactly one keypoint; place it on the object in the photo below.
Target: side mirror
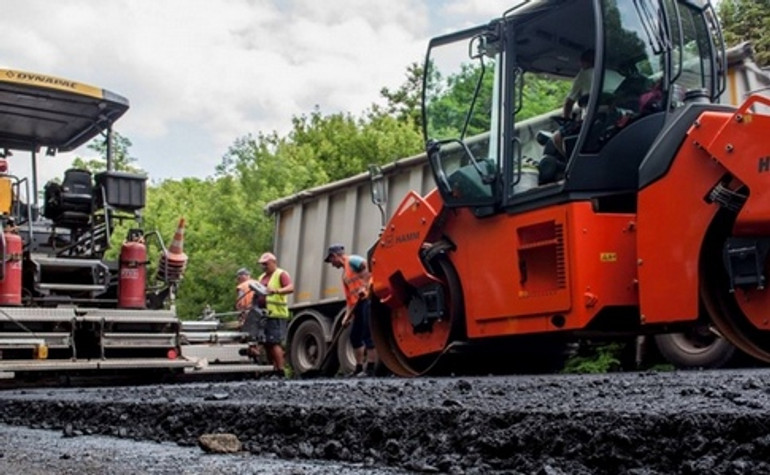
(379, 190)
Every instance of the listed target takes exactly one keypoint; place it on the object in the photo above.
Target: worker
(554, 162)
(355, 281)
(248, 319)
(278, 285)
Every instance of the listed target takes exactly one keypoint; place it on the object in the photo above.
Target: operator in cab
(554, 161)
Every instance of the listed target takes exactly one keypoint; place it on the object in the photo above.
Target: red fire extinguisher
(10, 270)
(133, 272)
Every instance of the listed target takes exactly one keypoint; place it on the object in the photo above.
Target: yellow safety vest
(277, 306)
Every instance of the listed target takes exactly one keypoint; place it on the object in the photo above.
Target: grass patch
(596, 359)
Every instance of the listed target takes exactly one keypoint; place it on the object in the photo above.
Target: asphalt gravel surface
(626, 423)
(45, 452)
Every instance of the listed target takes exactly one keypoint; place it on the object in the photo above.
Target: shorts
(360, 331)
(274, 330)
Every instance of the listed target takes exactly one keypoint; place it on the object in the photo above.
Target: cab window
(634, 44)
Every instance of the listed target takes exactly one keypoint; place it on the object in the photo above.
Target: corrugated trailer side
(744, 76)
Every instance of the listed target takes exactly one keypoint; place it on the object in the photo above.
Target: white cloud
(478, 9)
(200, 74)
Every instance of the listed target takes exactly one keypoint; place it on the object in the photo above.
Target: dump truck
(306, 223)
(651, 218)
(69, 302)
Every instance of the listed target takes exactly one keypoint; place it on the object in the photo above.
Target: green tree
(221, 234)
(404, 104)
(320, 148)
(747, 20)
(542, 94)
(121, 158)
(449, 105)
(227, 227)
(450, 99)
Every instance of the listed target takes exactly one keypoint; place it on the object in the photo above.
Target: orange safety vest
(245, 302)
(355, 283)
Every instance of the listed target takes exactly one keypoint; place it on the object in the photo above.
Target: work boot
(252, 352)
(277, 374)
(273, 374)
(368, 372)
(359, 371)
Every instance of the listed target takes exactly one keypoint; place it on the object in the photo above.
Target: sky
(201, 73)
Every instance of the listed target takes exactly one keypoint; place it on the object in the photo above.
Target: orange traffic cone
(173, 262)
(177, 245)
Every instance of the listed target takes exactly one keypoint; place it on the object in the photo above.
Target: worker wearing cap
(355, 281)
(278, 285)
(244, 304)
(245, 295)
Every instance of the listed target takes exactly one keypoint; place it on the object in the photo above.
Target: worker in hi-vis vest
(278, 285)
(355, 280)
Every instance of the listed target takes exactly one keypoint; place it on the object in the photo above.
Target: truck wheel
(345, 354)
(308, 346)
(698, 348)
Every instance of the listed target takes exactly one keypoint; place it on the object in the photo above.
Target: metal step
(72, 287)
(93, 364)
(139, 340)
(22, 340)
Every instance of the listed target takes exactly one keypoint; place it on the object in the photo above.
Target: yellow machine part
(41, 352)
(6, 195)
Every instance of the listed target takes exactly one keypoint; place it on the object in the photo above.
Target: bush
(596, 359)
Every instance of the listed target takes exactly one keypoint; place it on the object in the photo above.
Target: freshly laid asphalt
(635, 423)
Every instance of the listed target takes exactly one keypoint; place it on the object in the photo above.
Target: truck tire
(345, 354)
(695, 349)
(308, 346)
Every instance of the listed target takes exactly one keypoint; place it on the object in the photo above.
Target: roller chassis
(583, 255)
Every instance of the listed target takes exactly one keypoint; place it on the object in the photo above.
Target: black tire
(308, 347)
(695, 349)
(345, 355)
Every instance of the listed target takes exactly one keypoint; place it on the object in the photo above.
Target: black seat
(71, 203)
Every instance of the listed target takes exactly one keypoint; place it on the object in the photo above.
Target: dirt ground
(630, 423)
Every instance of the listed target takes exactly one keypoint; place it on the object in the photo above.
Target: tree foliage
(220, 235)
(121, 158)
(747, 20)
(404, 102)
(450, 105)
